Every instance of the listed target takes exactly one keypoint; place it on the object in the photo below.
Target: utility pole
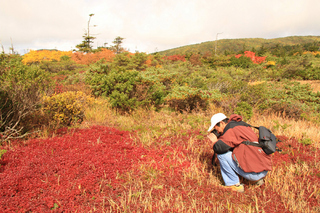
(215, 49)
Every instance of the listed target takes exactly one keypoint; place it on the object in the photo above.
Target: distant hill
(237, 45)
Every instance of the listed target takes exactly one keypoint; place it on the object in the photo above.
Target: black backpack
(267, 141)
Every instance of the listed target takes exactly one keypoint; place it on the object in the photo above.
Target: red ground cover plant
(104, 169)
(66, 172)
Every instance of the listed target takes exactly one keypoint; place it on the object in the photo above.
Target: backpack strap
(251, 126)
(253, 144)
(261, 145)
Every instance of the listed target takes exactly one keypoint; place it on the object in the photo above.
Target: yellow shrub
(271, 63)
(36, 56)
(67, 108)
(312, 53)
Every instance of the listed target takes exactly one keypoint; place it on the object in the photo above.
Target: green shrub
(21, 88)
(242, 61)
(128, 61)
(306, 141)
(184, 98)
(66, 108)
(116, 84)
(2, 152)
(126, 89)
(255, 94)
(237, 87)
(301, 67)
(164, 76)
(217, 61)
(138, 61)
(244, 109)
(293, 99)
(59, 66)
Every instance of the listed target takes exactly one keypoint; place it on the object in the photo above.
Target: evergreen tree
(117, 45)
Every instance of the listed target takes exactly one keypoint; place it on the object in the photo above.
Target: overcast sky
(151, 25)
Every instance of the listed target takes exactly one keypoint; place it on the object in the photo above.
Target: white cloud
(150, 24)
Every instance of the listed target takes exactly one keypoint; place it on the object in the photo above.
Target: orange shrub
(149, 61)
(89, 58)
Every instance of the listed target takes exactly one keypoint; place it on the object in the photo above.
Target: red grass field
(103, 169)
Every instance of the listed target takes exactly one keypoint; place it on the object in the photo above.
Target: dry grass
(152, 124)
(288, 127)
(314, 84)
(143, 189)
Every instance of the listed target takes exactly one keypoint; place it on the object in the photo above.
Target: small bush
(255, 94)
(116, 84)
(64, 65)
(184, 98)
(270, 64)
(2, 152)
(244, 109)
(126, 89)
(237, 87)
(66, 108)
(242, 61)
(306, 141)
(217, 61)
(129, 61)
(288, 109)
(21, 88)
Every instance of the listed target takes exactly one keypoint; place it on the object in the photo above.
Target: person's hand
(213, 138)
(214, 131)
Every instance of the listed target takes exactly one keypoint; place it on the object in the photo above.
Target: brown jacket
(249, 158)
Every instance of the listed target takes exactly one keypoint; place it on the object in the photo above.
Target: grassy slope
(238, 44)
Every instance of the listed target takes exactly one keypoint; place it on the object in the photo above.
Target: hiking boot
(259, 182)
(236, 188)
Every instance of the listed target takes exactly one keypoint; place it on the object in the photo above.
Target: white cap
(216, 119)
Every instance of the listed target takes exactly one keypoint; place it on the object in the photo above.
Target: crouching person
(237, 159)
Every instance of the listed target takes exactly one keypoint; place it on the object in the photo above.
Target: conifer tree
(117, 45)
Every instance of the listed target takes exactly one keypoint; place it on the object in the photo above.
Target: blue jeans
(230, 170)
